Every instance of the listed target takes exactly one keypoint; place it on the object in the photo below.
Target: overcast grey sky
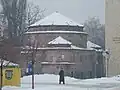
(78, 10)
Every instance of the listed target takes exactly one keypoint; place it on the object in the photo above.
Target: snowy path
(50, 82)
(101, 85)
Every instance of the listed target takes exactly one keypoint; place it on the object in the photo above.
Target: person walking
(61, 76)
(72, 74)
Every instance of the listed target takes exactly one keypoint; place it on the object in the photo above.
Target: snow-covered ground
(50, 82)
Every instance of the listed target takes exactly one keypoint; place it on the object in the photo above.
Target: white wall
(112, 32)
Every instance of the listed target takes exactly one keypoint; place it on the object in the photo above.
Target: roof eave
(32, 26)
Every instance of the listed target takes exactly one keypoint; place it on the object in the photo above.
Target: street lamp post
(32, 62)
(107, 57)
(32, 73)
(107, 65)
(33, 48)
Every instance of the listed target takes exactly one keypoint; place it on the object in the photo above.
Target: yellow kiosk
(11, 76)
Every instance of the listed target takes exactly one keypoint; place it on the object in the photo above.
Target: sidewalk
(116, 89)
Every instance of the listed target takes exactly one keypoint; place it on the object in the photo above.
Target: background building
(112, 33)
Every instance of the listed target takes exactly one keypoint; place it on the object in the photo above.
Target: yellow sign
(11, 76)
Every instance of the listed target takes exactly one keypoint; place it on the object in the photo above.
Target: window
(90, 74)
(70, 35)
(62, 56)
(59, 58)
(67, 67)
(1, 33)
(52, 58)
(81, 59)
(86, 57)
(32, 37)
(97, 62)
(91, 57)
(57, 67)
(81, 75)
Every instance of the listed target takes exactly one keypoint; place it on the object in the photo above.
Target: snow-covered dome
(56, 19)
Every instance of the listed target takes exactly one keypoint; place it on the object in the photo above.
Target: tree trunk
(32, 74)
(1, 75)
(33, 70)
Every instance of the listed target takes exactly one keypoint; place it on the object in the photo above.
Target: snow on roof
(92, 45)
(65, 48)
(59, 40)
(75, 47)
(26, 52)
(56, 19)
(25, 47)
(57, 63)
(8, 63)
(44, 32)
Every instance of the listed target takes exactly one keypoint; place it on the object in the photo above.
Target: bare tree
(14, 11)
(18, 16)
(30, 53)
(34, 13)
(95, 30)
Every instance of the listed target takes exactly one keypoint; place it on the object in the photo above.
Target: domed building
(62, 43)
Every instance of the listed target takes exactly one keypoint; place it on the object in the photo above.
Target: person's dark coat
(61, 74)
(72, 74)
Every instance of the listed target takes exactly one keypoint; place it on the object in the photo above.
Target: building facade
(112, 33)
(62, 43)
